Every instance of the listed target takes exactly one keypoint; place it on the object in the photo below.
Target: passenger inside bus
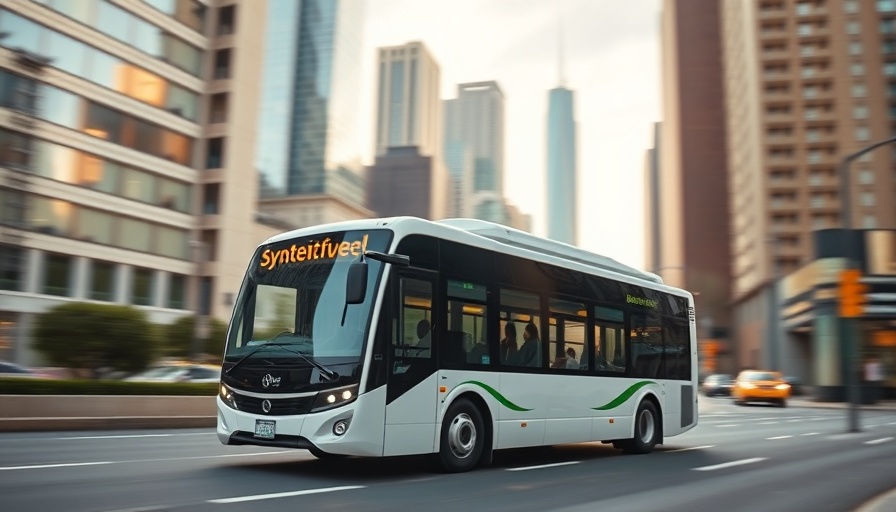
(530, 352)
(509, 347)
(424, 334)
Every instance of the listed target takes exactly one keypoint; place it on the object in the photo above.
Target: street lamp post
(849, 345)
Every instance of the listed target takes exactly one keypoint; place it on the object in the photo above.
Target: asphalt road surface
(754, 458)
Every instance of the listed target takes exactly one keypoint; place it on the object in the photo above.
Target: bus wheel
(647, 429)
(462, 437)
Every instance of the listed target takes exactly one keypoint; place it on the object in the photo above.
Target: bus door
(412, 390)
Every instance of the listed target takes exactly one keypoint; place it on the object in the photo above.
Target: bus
(451, 339)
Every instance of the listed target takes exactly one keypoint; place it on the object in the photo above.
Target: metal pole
(851, 379)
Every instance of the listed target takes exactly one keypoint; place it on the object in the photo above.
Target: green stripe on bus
(625, 395)
(498, 396)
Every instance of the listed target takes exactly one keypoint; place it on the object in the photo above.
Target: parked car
(178, 372)
(8, 369)
(760, 386)
(718, 384)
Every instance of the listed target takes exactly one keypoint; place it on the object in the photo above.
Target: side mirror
(356, 283)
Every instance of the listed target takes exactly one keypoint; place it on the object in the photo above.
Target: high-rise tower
(561, 161)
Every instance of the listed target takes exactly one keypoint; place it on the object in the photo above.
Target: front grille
(279, 406)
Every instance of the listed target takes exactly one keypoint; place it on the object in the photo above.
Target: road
(737, 459)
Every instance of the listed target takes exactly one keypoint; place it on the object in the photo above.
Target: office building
(561, 167)
(309, 134)
(126, 135)
(408, 176)
(687, 183)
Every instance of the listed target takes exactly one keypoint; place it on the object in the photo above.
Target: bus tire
(647, 430)
(462, 437)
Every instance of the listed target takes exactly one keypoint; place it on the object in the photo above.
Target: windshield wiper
(326, 372)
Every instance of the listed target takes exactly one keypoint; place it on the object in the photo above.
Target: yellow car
(760, 386)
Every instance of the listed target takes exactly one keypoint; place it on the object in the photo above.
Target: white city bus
(387, 337)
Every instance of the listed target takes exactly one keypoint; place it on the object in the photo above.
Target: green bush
(17, 386)
(87, 336)
(177, 337)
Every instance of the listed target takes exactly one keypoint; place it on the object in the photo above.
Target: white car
(178, 373)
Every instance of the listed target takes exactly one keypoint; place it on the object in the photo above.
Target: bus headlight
(228, 398)
(334, 398)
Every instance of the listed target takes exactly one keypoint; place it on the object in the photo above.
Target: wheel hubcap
(462, 436)
(646, 426)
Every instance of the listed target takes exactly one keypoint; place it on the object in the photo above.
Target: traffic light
(852, 293)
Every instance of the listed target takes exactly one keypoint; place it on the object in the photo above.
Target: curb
(885, 502)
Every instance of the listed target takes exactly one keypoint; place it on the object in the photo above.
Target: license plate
(265, 428)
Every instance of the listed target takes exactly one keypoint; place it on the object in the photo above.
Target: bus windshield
(293, 299)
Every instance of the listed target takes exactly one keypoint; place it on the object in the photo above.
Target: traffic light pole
(847, 329)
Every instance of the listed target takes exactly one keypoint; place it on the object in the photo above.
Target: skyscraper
(309, 127)
(474, 124)
(125, 157)
(688, 190)
(408, 104)
(561, 167)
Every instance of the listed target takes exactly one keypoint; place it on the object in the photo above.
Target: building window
(867, 198)
(177, 286)
(12, 276)
(210, 201)
(855, 48)
(222, 64)
(850, 6)
(860, 112)
(866, 177)
(141, 293)
(57, 275)
(102, 281)
(857, 69)
(858, 90)
(869, 222)
(862, 133)
(226, 20)
(214, 158)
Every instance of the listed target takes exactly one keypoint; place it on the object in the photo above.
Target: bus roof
(474, 229)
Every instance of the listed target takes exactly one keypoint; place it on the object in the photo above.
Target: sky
(611, 61)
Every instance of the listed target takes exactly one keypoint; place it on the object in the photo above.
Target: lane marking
(769, 423)
(131, 436)
(689, 449)
(729, 464)
(725, 426)
(778, 437)
(47, 466)
(172, 459)
(810, 434)
(240, 499)
(542, 466)
(878, 441)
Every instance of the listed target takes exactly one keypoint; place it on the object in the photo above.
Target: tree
(90, 336)
(177, 336)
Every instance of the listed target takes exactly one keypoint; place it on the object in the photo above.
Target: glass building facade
(561, 167)
(308, 128)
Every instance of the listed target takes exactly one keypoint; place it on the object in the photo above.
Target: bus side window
(467, 313)
(609, 340)
(519, 309)
(414, 336)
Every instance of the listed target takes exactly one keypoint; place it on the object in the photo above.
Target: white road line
(690, 449)
(527, 468)
(172, 459)
(769, 423)
(46, 466)
(131, 436)
(778, 437)
(810, 434)
(893, 423)
(878, 441)
(729, 464)
(725, 426)
(240, 499)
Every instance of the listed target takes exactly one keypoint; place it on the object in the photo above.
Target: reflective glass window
(57, 162)
(177, 286)
(182, 102)
(104, 69)
(57, 275)
(176, 147)
(13, 205)
(104, 123)
(68, 54)
(172, 242)
(60, 107)
(138, 185)
(113, 21)
(50, 216)
(102, 281)
(134, 234)
(20, 32)
(81, 10)
(141, 84)
(147, 37)
(183, 55)
(98, 174)
(95, 226)
(174, 195)
(16, 150)
(142, 287)
(149, 137)
(12, 273)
